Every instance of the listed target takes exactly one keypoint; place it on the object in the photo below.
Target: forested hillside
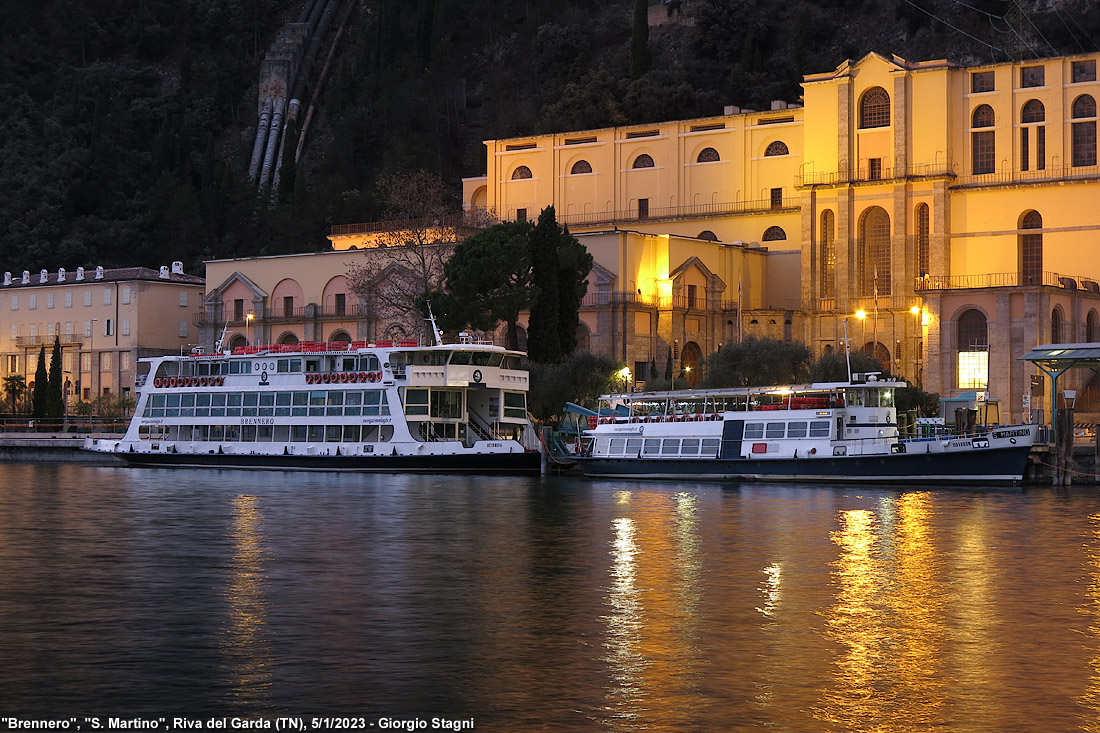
(126, 125)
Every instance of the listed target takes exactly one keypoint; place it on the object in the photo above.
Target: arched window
(643, 161)
(773, 234)
(1057, 319)
(972, 345)
(1092, 327)
(874, 252)
(874, 108)
(237, 341)
(983, 149)
(339, 337)
(581, 166)
(923, 240)
(708, 235)
(973, 330)
(1031, 249)
(776, 148)
(288, 338)
(521, 172)
(1033, 112)
(828, 254)
(1084, 133)
(708, 155)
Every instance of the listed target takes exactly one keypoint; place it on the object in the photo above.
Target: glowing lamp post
(624, 374)
(248, 326)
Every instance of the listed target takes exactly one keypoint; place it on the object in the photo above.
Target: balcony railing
(677, 212)
(865, 174)
(214, 316)
(1050, 173)
(476, 219)
(25, 342)
(1005, 280)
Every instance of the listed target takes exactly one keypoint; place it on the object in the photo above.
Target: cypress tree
(55, 401)
(543, 344)
(41, 386)
(574, 264)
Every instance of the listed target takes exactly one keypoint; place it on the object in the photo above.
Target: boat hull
(993, 465)
(505, 463)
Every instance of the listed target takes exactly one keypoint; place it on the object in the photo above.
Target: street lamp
(624, 374)
(248, 326)
(915, 310)
(686, 370)
(91, 357)
(862, 316)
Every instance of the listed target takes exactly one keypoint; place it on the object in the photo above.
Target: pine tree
(41, 386)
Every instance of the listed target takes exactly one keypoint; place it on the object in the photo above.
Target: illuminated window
(708, 155)
(973, 369)
(1031, 249)
(581, 166)
(521, 172)
(643, 161)
(828, 254)
(874, 252)
(776, 148)
(874, 108)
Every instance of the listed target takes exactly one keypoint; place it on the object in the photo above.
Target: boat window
(819, 429)
(203, 368)
(282, 404)
(886, 398)
(854, 397)
(511, 362)
(264, 433)
(447, 403)
(796, 429)
(515, 404)
(267, 404)
(348, 364)
(313, 365)
(416, 402)
(317, 403)
(300, 404)
(217, 404)
(298, 433)
(688, 406)
(652, 446)
(248, 433)
(316, 433)
(282, 366)
(495, 359)
(710, 447)
(168, 369)
(776, 429)
(353, 404)
(460, 357)
(754, 430)
(351, 434)
(369, 363)
(480, 358)
(633, 446)
(251, 399)
(233, 433)
(281, 433)
(690, 447)
(618, 445)
(333, 433)
(670, 446)
(385, 433)
(335, 403)
(870, 397)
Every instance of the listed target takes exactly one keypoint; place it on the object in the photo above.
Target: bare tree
(404, 258)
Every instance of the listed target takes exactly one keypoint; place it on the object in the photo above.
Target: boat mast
(436, 333)
(847, 351)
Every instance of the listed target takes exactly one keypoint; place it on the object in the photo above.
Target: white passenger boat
(358, 406)
(838, 431)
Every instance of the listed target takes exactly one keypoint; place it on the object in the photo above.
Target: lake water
(559, 604)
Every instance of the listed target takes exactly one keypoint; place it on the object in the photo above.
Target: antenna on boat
(847, 350)
(436, 333)
(221, 339)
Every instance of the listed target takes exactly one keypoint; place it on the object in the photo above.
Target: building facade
(943, 213)
(105, 319)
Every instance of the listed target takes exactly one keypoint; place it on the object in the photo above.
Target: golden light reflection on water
(651, 631)
(248, 655)
(887, 619)
(1091, 696)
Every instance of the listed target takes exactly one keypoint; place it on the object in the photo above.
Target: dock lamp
(248, 322)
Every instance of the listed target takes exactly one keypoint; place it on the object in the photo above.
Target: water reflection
(652, 634)
(887, 618)
(1091, 697)
(247, 653)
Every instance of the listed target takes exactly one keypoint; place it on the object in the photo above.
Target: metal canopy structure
(1056, 359)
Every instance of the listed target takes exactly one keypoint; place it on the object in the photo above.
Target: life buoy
(326, 378)
(221, 381)
(370, 376)
(343, 376)
(635, 419)
(716, 416)
(190, 382)
(353, 377)
(378, 376)
(171, 381)
(309, 378)
(363, 377)
(157, 382)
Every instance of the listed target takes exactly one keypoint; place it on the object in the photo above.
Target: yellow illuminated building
(954, 205)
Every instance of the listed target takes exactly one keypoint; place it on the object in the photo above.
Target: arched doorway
(288, 338)
(237, 342)
(339, 337)
(691, 358)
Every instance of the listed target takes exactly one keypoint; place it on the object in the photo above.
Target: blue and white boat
(835, 431)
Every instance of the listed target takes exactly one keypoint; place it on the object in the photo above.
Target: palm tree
(16, 388)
